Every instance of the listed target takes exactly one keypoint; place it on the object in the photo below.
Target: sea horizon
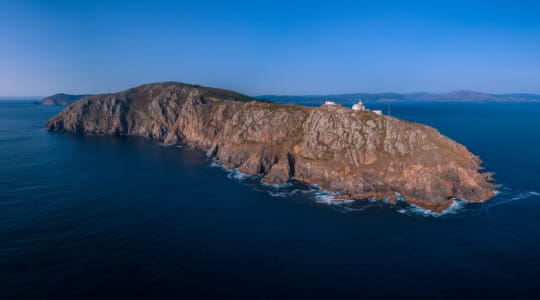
(269, 150)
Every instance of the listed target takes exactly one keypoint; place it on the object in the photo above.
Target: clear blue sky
(270, 47)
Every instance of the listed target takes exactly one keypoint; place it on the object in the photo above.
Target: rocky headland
(61, 99)
(357, 153)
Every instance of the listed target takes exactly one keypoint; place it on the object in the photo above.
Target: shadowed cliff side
(357, 153)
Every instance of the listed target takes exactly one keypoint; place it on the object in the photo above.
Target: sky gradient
(276, 47)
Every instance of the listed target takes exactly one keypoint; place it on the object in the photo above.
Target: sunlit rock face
(357, 153)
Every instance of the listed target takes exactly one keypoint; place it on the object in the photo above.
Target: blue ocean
(96, 217)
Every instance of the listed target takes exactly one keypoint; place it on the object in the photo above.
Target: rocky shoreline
(357, 153)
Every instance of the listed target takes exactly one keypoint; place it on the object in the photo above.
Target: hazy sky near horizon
(271, 47)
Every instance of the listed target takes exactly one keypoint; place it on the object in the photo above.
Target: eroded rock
(358, 153)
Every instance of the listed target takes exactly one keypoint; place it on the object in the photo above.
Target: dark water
(123, 218)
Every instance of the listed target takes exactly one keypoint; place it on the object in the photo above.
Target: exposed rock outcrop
(357, 153)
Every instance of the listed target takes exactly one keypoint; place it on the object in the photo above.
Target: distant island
(358, 154)
(61, 99)
(456, 96)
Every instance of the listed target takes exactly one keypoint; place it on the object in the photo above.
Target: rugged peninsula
(61, 99)
(357, 153)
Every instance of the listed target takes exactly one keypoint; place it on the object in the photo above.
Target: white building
(358, 106)
(329, 103)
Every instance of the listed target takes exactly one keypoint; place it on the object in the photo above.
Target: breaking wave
(219, 166)
(299, 191)
(277, 186)
(235, 174)
(295, 190)
(457, 206)
(503, 196)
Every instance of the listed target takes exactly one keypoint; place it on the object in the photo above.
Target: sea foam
(313, 192)
(508, 198)
(455, 207)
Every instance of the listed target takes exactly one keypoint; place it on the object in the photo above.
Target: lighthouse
(358, 106)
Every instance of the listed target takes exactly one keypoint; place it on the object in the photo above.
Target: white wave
(458, 205)
(220, 166)
(282, 192)
(454, 208)
(517, 197)
(277, 186)
(339, 201)
(235, 174)
(525, 195)
(329, 198)
(399, 197)
(386, 200)
(324, 198)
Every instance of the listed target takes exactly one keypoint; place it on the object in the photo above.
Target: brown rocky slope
(357, 153)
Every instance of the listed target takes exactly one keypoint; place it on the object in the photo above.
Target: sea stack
(359, 154)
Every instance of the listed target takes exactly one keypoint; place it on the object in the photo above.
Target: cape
(358, 154)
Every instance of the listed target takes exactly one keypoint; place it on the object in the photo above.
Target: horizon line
(34, 97)
(30, 97)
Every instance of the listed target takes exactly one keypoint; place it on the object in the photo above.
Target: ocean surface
(94, 217)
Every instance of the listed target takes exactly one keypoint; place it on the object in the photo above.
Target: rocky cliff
(357, 153)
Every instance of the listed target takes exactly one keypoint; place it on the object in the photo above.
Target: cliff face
(357, 153)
